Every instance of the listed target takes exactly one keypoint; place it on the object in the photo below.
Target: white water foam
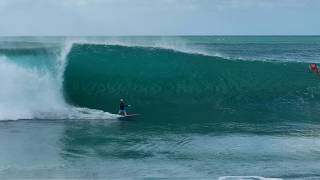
(24, 92)
(31, 93)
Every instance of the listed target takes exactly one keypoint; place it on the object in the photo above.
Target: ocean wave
(170, 82)
(157, 78)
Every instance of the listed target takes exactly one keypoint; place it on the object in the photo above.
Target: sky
(158, 17)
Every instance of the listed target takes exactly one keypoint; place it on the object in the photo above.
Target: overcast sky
(159, 17)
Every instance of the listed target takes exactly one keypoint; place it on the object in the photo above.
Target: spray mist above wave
(238, 48)
(230, 52)
(176, 45)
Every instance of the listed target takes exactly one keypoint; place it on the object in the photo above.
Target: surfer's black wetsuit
(122, 106)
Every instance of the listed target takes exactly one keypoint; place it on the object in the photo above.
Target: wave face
(169, 86)
(166, 80)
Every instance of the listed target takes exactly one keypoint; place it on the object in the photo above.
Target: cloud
(145, 17)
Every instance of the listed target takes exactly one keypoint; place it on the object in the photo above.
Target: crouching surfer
(122, 108)
(314, 68)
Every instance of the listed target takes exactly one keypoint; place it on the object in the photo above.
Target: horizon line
(186, 35)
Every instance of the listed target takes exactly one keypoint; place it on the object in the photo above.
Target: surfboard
(129, 116)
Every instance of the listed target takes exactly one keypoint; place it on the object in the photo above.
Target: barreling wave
(164, 83)
(167, 85)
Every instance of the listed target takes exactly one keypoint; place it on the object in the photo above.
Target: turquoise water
(212, 107)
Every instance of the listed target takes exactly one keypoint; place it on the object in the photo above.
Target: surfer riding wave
(122, 108)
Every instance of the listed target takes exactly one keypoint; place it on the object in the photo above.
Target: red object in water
(314, 68)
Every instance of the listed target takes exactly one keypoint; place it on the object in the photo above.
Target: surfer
(314, 68)
(122, 108)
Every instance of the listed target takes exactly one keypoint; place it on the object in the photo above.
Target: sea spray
(27, 93)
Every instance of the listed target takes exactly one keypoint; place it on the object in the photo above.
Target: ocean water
(213, 107)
